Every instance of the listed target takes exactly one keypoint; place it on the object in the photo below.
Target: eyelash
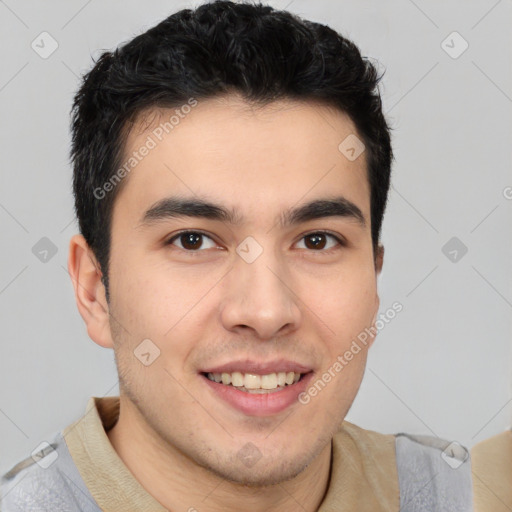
(341, 242)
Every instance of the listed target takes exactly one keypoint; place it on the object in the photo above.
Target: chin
(262, 473)
(262, 478)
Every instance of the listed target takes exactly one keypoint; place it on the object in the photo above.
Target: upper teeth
(252, 381)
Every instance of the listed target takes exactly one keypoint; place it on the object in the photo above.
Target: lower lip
(260, 404)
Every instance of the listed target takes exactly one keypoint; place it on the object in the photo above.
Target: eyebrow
(178, 207)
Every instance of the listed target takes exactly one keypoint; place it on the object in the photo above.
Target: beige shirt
(363, 466)
(492, 473)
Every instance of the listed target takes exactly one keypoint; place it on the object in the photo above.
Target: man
(231, 170)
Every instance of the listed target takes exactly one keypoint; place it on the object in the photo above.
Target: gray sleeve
(47, 481)
(434, 475)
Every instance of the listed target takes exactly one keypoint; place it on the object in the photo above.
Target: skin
(204, 309)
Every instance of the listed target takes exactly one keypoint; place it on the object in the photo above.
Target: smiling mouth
(253, 383)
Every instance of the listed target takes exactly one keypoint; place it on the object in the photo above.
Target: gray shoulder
(46, 480)
(433, 474)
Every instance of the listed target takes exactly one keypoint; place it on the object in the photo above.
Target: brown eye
(190, 240)
(318, 241)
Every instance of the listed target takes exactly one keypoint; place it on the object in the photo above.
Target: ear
(90, 296)
(379, 261)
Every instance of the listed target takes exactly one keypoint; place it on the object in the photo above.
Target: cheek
(165, 305)
(345, 302)
(146, 296)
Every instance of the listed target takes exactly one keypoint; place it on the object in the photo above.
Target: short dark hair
(216, 49)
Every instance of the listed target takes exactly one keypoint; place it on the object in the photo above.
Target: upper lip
(259, 368)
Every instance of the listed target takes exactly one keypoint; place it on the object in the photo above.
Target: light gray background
(441, 367)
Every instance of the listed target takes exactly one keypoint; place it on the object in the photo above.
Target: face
(254, 296)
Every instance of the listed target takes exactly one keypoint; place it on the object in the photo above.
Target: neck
(178, 483)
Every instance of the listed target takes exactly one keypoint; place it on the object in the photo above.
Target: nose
(260, 298)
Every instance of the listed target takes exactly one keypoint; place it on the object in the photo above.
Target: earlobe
(90, 297)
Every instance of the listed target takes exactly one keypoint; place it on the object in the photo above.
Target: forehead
(224, 148)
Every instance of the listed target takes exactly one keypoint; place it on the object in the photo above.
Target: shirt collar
(363, 472)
